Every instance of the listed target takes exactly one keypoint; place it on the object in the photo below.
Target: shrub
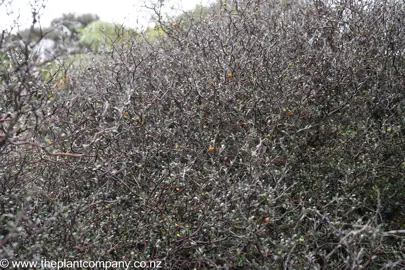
(257, 135)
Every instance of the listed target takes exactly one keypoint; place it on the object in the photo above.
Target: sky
(130, 12)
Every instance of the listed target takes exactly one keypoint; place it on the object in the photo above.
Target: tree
(71, 24)
(99, 35)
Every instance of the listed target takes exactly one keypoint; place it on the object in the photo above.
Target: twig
(51, 153)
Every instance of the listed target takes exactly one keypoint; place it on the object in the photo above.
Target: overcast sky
(131, 12)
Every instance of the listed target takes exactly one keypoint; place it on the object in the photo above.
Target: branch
(51, 153)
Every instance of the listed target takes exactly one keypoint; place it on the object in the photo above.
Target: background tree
(69, 26)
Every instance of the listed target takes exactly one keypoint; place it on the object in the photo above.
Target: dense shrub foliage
(252, 134)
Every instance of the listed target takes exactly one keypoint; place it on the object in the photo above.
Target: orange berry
(290, 113)
(211, 149)
(230, 75)
(267, 220)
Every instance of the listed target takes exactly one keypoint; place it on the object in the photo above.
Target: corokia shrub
(251, 134)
